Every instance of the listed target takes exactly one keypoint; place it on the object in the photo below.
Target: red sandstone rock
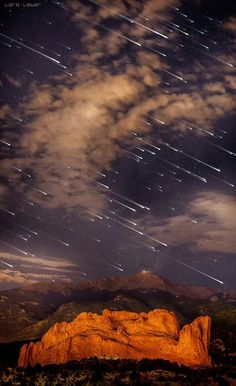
(124, 335)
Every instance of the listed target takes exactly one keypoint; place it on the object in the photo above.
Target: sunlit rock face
(124, 335)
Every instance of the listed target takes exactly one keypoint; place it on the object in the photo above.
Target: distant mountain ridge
(141, 280)
(26, 313)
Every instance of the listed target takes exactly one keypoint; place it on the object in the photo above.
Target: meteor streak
(192, 268)
(9, 265)
(126, 226)
(38, 190)
(29, 230)
(180, 13)
(214, 57)
(11, 246)
(155, 119)
(174, 75)
(123, 218)
(225, 182)
(8, 211)
(21, 171)
(189, 156)
(130, 20)
(121, 203)
(6, 44)
(28, 202)
(129, 200)
(63, 45)
(112, 31)
(5, 143)
(14, 234)
(96, 215)
(202, 130)
(111, 265)
(149, 144)
(184, 170)
(32, 49)
(139, 232)
(221, 148)
(55, 239)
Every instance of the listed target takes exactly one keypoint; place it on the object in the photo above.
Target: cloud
(13, 81)
(44, 268)
(73, 134)
(230, 24)
(215, 229)
(12, 278)
(4, 111)
(38, 262)
(73, 126)
(217, 212)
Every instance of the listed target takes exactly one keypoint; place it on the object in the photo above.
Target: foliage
(103, 372)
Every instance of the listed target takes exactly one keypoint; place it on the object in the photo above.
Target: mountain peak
(147, 273)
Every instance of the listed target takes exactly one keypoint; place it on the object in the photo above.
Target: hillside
(30, 311)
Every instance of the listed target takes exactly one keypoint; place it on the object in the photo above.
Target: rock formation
(124, 335)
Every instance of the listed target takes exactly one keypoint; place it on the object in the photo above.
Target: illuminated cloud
(230, 24)
(13, 81)
(214, 231)
(73, 126)
(27, 270)
(39, 262)
(10, 278)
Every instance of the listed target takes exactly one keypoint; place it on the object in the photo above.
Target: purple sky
(117, 141)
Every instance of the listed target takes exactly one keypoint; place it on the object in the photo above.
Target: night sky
(117, 142)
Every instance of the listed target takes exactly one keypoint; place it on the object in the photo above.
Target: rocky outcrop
(124, 335)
